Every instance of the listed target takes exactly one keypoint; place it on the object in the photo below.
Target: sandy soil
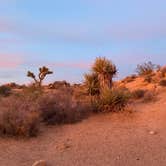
(115, 139)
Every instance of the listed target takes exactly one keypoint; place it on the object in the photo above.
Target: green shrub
(5, 91)
(112, 100)
(19, 117)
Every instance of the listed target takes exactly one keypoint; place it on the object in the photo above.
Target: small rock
(152, 132)
(40, 163)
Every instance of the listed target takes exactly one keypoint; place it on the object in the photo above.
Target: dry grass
(61, 108)
(19, 117)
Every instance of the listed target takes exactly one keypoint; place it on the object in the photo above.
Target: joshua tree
(43, 72)
(92, 83)
(105, 71)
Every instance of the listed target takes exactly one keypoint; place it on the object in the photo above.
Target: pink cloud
(10, 60)
(80, 65)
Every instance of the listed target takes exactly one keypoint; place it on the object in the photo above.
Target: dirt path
(103, 140)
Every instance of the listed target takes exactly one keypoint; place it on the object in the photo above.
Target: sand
(113, 139)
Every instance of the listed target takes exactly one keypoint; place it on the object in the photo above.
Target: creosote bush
(111, 100)
(19, 117)
(60, 109)
(146, 68)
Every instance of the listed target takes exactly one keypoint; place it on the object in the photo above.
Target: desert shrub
(33, 91)
(148, 79)
(60, 109)
(138, 94)
(146, 68)
(112, 100)
(19, 117)
(5, 91)
(162, 82)
(163, 71)
(149, 96)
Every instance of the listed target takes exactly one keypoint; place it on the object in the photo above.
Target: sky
(67, 36)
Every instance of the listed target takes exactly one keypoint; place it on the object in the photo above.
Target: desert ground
(117, 139)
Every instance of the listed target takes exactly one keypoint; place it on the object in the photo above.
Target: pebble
(40, 163)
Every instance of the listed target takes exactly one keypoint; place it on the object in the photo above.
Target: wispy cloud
(10, 60)
(45, 31)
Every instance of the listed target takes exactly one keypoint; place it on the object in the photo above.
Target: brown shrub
(148, 78)
(162, 82)
(19, 117)
(163, 71)
(61, 109)
(138, 94)
(5, 91)
(149, 96)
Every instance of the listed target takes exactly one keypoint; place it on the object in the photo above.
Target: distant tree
(43, 72)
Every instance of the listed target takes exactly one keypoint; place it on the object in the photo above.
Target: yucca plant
(92, 84)
(105, 71)
(113, 100)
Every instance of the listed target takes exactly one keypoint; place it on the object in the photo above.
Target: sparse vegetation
(138, 94)
(60, 109)
(146, 68)
(149, 96)
(5, 90)
(19, 117)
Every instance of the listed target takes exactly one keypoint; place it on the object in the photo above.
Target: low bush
(146, 68)
(60, 109)
(138, 94)
(33, 91)
(5, 91)
(162, 82)
(148, 79)
(19, 117)
(112, 100)
(149, 96)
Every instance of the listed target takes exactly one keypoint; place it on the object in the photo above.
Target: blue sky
(68, 35)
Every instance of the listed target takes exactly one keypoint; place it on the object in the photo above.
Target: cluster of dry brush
(22, 112)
